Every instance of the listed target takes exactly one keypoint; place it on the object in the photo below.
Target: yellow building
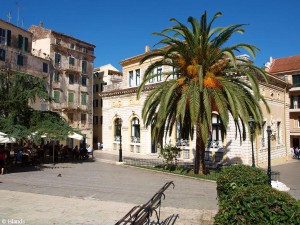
(71, 79)
(120, 103)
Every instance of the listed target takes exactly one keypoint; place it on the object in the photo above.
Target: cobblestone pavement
(100, 193)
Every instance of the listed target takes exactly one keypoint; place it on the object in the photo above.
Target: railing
(112, 87)
(116, 78)
(215, 144)
(135, 139)
(117, 138)
(182, 142)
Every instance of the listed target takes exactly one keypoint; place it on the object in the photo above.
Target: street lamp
(119, 124)
(252, 128)
(269, 131)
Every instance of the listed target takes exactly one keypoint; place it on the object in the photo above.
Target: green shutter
(26, 44)
(20, 41)
(83, 99)
(71, 97)
(8, 40)
(57, 96)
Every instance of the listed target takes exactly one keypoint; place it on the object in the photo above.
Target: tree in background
(209, 79)
(17, 119)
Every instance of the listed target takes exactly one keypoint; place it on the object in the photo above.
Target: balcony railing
(182, 142)
(112, 87)
(116, 78)
(135, 139)
(215, 144)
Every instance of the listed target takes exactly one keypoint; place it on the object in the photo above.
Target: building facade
(16, 56)
(106, 76)
(120, 104)
(288, 68)
(70, 81)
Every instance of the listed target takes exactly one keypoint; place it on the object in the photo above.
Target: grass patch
(185, 171)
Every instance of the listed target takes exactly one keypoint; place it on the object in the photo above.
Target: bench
(141, 214)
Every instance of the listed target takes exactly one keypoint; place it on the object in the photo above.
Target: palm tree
(210, 79)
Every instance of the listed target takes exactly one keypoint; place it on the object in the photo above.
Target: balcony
(182, 142)
(116, 78)
(70, 105)
(112, 87)
(135, 139)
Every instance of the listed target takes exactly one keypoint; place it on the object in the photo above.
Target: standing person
(297, 152)
(98, 144)
(2, 160)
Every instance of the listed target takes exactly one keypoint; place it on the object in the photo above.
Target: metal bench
(141, 214)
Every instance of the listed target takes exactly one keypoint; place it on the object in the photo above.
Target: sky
(121, 29)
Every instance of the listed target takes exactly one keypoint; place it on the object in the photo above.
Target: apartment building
(288, 68)
(16, 56)
(70, 81)
(120, 104)
(104, 76)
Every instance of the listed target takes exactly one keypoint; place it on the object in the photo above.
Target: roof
(285, 64)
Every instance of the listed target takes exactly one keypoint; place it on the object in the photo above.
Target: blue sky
(121, 29)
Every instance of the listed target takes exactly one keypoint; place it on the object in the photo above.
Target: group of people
(35, 154)
(296, 152)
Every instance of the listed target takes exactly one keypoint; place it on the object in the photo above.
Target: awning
(4, 139)
(76, 136)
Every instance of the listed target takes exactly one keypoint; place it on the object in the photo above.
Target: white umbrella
(76, 136)
(4, 140)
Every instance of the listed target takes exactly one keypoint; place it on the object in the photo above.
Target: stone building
(120, 104)
(288, 68)
(105, 77)
(70, 81)
(16, 56)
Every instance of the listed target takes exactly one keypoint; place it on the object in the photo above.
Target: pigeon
(59, 175)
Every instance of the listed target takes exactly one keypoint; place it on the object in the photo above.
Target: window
(5, 37)
(296, 80)
(175, 71)
(84, 66)
(298, 102)
(130, 78)
(45, 67)
(117, 129)
(83, 118)
(71, 61)
(57, 60)
(95, 120)
(2, 54)
(22, 43)
(58, 41)
(84, 81)
(71, 97)
(84, 50)
(72, 46)
(95, 88)
(182, 139)
(56, 76)
(83, 98)
(101, 119)
(44, 107)
(56, 96)
(95, 103)
(71, 79)
(278, 131)
(135, 130)
(70, 117)
(263, 136)
(216, 139)
(159, 72)
(137, 77)
(292, 102)
(20, 60)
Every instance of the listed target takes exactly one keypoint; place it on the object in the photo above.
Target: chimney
(147, 48)
(271, 59)
(41, 23)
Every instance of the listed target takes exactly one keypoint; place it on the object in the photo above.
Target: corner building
(120, 103)
(70, 81)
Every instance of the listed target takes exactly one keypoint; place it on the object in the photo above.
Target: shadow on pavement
(168, 221)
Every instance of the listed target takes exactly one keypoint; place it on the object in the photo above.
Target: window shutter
(20, 41)
(26, 44)
(8, 40)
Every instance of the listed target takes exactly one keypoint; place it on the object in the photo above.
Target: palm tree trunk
(199, 167)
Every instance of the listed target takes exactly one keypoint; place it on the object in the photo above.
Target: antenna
(9, 17)
(18, 6)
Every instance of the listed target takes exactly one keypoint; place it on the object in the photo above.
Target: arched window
(135, 130)
(117, 130)
(216, 138)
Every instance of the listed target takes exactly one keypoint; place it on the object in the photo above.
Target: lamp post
(119, 123)
(252, 127)
(269, 131)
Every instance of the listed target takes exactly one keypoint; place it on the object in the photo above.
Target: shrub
(259, 205)
(237, 176)
(169, 153)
